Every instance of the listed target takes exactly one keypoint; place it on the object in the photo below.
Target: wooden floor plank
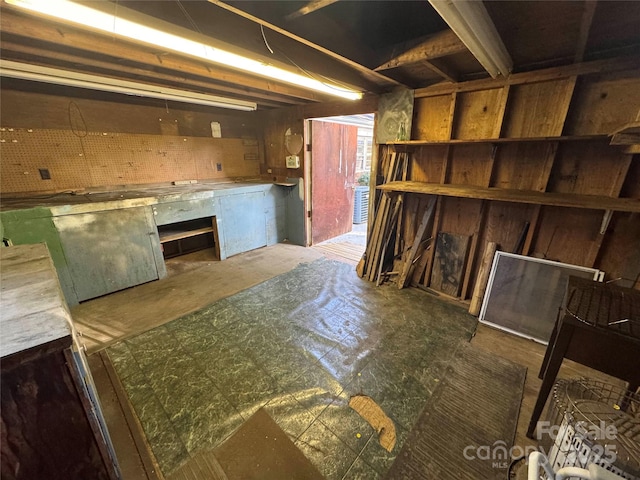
(106, 320)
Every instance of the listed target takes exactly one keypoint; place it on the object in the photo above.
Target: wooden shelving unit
(542, 168)
(595, 202)
(188, 236)
(177, 234)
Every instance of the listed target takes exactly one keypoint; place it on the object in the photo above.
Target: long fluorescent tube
(57, 76)
(122, 27)
(473, 25)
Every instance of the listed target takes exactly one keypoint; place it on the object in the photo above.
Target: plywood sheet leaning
(448, 265)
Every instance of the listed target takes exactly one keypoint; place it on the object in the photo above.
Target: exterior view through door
(340, 161)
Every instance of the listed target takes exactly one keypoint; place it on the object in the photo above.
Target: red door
(333, 162)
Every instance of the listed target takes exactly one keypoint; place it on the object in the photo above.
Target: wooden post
(396, 210)
(473, 250)
(483, 276)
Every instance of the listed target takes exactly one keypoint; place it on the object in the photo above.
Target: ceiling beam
(30, 27)
(609, 65)
(18, 51)
(310, 7)
(439, 45)
(585, 28)
(472, 23)
(371, 75)
(442, 70)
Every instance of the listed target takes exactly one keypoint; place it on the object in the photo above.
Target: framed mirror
(293, 142)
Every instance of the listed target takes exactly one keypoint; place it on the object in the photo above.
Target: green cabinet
(110, 250)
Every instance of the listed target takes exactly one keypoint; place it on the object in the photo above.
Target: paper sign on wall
(216, 130)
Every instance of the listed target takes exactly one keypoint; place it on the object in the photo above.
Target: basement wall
(89, 140)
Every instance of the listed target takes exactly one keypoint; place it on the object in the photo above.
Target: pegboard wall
(98, 159)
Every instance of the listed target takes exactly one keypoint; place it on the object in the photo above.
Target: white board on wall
(395, 114)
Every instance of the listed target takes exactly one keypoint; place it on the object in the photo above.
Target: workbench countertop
(67, 203)
(33, 311)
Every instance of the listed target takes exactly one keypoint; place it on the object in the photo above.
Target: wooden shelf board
(171, 235)
(627, 135)
(517, 196)
(418, 143)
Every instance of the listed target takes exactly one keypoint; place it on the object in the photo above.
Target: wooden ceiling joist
(627, 135)
(445, 72)
(310, 7)
(439, 45)
(585, 28)
(30, 28)
(373, 76)
(608, 65)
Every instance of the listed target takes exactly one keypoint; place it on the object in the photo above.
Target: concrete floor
(196, 280)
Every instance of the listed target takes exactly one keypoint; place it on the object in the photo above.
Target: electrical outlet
(44, 173)
(219, 167)
(293, 161)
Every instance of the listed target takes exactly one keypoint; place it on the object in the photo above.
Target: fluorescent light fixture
(122, 27)
(57, 76)
(473, 25)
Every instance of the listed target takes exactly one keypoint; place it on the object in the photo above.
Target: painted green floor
(299, 344)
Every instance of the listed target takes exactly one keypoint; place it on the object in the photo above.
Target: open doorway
(339, 168)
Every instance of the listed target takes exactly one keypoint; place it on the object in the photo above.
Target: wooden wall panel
(589, 168)
(101, 159)
(275, 125)
(538, 109)
(428, 164)
(620, 251)
(524, 166)
(503, 224)
(601, 105)
(51, 107)
(433, 118)
(479, 114)
(631, 186)
(412, 205)
(566, 234)
(471, 165)
(459, 215)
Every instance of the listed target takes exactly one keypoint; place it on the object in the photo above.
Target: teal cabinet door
(243, 219)
(110, 250)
